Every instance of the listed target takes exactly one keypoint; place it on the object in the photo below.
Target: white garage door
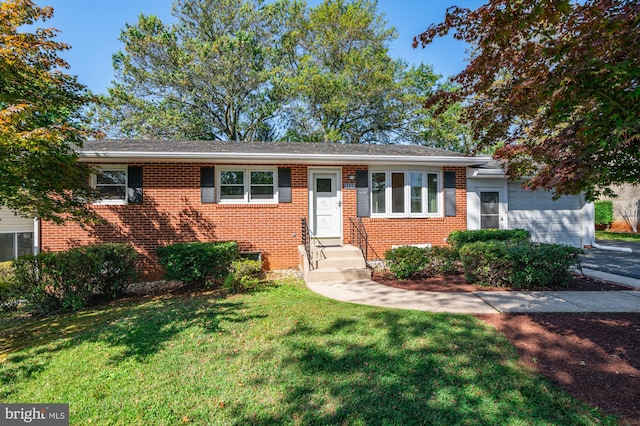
(548, 221)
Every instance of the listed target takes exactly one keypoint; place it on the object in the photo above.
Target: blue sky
(92, 28)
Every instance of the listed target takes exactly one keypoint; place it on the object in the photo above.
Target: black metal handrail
(360, 239)
(306, 241)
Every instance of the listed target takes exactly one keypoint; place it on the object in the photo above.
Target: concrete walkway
(368, 292)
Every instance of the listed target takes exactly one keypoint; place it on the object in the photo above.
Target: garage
(494, 202)
(549, 221)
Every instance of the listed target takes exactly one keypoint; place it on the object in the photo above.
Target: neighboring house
(17, 235)
(626, 208)
(161, 192)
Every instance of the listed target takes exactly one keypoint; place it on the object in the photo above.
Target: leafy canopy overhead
(216, 74)
(255, 70)
(344, 85)
(40, 120)
(554, 86)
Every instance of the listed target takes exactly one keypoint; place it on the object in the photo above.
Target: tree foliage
(345, 81)
(428, 126)
(554, 86)
(248, 70)
(40, 119)
(215, 74)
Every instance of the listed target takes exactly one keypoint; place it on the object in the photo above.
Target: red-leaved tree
(553, 86)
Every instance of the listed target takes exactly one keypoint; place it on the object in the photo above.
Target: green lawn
(618, 236)
(279, 356)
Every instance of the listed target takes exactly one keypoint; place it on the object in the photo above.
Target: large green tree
(248, 70)
(429, 126)
(554, 86)
(215, 74)
(346, 83)
(40, 119)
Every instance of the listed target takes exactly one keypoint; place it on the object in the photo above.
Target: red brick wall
(172, 212)
(386, 232)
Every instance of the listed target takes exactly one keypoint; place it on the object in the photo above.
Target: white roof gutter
(105, 156)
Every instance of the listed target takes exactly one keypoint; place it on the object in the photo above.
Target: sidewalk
(484, 302)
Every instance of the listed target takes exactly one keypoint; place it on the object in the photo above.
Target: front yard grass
(618, 236)
(279, 356)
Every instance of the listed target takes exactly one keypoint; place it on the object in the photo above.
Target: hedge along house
(261, 194)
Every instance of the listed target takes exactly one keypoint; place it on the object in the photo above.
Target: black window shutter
(207, 185)
(449, 193)
(134, 188)
(284, 184)
(362, 193)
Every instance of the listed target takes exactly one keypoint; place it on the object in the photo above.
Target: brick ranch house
(158, 192)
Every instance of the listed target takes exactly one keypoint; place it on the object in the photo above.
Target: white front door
(327, 206)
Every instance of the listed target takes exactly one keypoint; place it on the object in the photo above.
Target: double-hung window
(248, 185)
(111, 183)
(405, 193)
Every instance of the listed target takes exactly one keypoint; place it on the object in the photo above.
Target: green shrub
(7, 287)
(32, 284)
(457, 239)
(603, 213)
(518, 264)
(6, 276)
(443, 260)
(406, 261)
(198, 262)
(69, 280)
(244, 275)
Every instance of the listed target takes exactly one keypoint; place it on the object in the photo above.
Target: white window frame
(112, 167)
(247, 184)
(407, 192)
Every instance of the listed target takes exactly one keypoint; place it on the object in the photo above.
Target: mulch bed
(595, 357)
(457, 283)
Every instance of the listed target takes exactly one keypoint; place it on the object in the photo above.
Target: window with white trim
(405, 193)
(111, 183)
(15, 244)
(247, 185)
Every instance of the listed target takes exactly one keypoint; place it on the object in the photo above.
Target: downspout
(612, 248)
(36, 236)
(589, 226)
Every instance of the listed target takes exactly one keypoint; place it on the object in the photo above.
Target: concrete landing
(335, 264)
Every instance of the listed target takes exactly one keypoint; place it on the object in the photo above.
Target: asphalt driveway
(614, 262)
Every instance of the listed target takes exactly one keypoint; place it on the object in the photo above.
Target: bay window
(378, 192)
(415, 180)
(405, 193)
(397, 192)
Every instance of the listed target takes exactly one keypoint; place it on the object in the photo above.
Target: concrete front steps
(334, 263)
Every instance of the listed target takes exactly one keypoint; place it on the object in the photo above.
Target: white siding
(560, 221)
(568, 220)
(10, 222)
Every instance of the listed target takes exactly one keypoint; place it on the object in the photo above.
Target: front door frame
(312, 172)
(503, 220)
